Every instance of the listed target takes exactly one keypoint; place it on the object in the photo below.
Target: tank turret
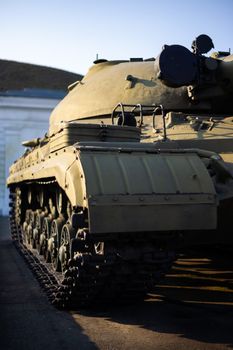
(177, 78)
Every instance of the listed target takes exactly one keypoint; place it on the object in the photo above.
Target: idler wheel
(29, 234)
(60, 201)
(64, 254)
(56, 229)
(35, 235)
(44, 237)
(38, 227)
(31, 227)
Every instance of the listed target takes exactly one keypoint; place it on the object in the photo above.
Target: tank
(136, 164)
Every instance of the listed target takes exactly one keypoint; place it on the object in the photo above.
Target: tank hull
(100, 205)
(116, 209)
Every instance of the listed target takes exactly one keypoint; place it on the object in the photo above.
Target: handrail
(161, 109)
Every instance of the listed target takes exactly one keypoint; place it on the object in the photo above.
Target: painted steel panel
(139, 191)
(144, 173)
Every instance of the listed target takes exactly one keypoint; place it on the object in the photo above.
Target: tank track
(127, 271)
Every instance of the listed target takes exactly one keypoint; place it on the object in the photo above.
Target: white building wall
(21, 118)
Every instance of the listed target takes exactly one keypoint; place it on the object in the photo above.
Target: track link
(92, 278)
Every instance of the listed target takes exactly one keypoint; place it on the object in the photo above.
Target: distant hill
(16, 76)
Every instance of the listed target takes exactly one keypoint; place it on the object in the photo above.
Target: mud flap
(148, 191)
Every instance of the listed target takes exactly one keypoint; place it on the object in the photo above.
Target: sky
(68, 34)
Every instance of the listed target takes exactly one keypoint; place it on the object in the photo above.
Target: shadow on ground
(195, 301)
(27, 320)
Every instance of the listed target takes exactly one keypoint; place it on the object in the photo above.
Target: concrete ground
(191, 309)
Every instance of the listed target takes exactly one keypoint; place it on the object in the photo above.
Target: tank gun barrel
(207, 78)
(176, 66)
